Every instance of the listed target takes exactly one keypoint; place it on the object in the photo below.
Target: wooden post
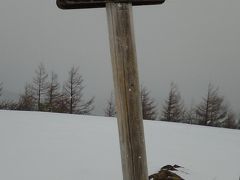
(127, 93)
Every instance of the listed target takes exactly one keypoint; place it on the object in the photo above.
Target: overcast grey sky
(190, 42)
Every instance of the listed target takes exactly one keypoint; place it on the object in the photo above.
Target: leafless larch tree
(73, 92)
(1, 88)
(110, 110)
(149, 105)
(53, 93)
(212, 111)
(40, 85)
(173, 107)
(27, 101)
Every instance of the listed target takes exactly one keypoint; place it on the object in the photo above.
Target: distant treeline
(211, 111)
(46, 94)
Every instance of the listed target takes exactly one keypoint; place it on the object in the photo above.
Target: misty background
(188, 42)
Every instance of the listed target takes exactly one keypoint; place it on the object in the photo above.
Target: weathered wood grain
(127, 94)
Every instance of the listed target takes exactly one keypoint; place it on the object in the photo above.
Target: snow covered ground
(48, 146)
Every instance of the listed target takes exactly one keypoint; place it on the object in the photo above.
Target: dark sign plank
(82, 4)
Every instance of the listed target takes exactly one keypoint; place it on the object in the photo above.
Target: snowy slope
(45, 146)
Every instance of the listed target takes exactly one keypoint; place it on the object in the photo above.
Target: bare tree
(190, 116)
(231, 121)
(52, 94)
(148, 105)
(40, 84)
(173, 108)
(110, 108)
(1, 103)
(27, 100)
(73, 92)
(61, 105)
(1, 88)
(211, 111)
(238, 123)
(7, 104)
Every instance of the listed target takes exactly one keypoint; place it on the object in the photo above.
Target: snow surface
(48, 146)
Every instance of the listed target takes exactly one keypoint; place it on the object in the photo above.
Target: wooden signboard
(82, 4)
